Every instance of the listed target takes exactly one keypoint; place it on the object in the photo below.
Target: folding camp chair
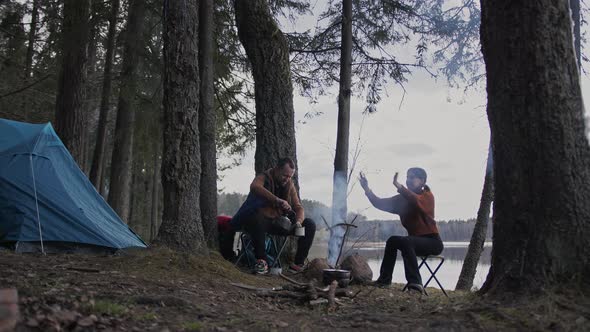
(273, 245)
(432, 273)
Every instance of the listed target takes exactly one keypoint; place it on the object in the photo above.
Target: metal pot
(342, 276)
(283, 223)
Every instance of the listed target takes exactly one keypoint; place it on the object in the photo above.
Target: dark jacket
(263, 198)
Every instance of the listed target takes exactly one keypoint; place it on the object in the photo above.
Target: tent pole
(37, 204)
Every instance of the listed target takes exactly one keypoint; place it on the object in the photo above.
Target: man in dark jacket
(273, 195)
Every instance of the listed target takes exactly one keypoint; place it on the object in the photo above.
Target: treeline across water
(367, 230)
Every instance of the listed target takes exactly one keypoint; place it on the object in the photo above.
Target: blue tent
(46, 201)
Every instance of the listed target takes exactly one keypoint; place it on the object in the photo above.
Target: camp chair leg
(277, 261)
(419, 267)
(273, 247)
(244, 242)
(432, 273)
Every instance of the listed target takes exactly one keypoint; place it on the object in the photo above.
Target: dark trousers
(258, 226)
(410, 246)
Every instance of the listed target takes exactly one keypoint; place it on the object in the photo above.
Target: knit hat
(418, 172)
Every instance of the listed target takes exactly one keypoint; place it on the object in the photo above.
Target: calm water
(448, 274)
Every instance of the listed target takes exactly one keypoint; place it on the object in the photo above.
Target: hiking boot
(261, 267)
(416, 288)
(380, 284)
(295, 268)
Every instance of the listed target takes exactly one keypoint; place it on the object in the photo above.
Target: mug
(299, 231)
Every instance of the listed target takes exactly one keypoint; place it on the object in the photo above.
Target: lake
(448, 274)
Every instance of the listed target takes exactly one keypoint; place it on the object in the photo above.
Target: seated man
(273, 195)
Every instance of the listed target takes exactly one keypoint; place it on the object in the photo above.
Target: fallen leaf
(32, 322)
(87, 321)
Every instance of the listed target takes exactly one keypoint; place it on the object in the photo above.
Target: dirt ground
(158, 290)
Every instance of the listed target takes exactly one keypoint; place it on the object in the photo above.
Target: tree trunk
(154, 213)
(340, 188)
(541, 154)
(70, 118)
(30, 52)
(478, 237)
(96, 172)
(122, 158)
(90, 105)
(32, 35)
(207, 125)
(575, 8)
(181, 165)
(268, 52)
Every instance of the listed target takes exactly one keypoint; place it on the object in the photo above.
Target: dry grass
(157, 288)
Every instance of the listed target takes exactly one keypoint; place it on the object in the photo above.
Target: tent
(46, 202)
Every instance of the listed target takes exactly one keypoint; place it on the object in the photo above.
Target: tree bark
(29, 56)
(541, 154)
(154, 213)
(31, 45)
(267, 49)
(91, 94)
(575, 8)
(70, 118)
(181, 165)
(96, 172)
(207, 125)
(340, 179)
(122, 158)
(268, 52)
(478, 237)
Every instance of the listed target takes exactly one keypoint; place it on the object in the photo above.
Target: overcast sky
(436, 128)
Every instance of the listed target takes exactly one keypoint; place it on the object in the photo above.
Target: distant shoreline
(381, 245)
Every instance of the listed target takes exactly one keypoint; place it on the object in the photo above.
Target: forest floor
(158, 290)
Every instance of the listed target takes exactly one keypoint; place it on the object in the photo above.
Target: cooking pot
(283, 223)
(342, 276)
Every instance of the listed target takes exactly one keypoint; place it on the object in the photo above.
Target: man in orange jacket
(415, 206)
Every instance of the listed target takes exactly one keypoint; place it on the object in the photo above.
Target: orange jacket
(416, 211)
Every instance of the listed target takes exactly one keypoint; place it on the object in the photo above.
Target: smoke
(339, 210)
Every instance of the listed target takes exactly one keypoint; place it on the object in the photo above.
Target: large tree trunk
(92, 91)
(575, 8)
(96, 172)
(70, 118)
(122, 158)
(541, 154)
(478, 237)
(340, 188)
(268, 52)
(181, 165)
(207, 125)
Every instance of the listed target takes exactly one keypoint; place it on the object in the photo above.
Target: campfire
(334, 278)
(305, 292)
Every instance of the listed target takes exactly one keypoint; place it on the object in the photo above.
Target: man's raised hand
(395, 182)
(363, 181)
